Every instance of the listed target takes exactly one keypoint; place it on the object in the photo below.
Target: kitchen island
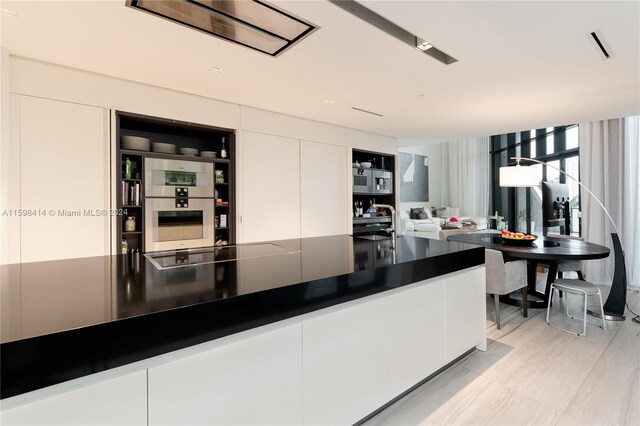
(186, 334)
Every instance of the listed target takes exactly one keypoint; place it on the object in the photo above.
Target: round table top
(543, 248)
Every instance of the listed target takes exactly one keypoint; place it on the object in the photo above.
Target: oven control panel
(182, 202)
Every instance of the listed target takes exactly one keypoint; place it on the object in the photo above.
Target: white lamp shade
(518, 176)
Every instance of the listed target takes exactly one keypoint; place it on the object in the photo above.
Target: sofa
(432, 227)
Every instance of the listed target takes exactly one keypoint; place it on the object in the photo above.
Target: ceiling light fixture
(393, 30)
(329, 101)
(251, 23)
(216, 70)
(422, 45)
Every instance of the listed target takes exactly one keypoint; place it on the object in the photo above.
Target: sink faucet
(391, 230)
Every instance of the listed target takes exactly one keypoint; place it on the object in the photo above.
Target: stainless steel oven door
(168, 227)
(163, 176)
(361, 181)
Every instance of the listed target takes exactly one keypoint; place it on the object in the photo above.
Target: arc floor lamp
(526, 176)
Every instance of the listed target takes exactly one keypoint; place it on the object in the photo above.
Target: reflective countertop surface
(47, 297)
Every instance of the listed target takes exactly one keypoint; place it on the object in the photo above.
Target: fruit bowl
(518, 238)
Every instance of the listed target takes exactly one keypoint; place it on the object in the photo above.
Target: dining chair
(504, 278)
(579, 287)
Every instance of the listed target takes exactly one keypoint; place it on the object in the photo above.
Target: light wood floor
(535, 374)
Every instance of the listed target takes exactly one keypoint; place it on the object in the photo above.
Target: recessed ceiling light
(329, 101)
(8, 12)
(421, 95)
(216, 70)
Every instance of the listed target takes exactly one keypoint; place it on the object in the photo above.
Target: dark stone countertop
(66, 319)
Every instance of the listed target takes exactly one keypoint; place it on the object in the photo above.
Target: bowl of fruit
(517, 238)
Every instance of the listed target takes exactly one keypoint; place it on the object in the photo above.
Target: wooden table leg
(551, 277)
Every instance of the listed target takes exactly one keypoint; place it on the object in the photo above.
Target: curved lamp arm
(518, 159)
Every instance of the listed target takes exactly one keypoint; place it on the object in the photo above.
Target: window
(522, 207)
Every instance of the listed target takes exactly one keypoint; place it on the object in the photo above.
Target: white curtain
(465, 176)
(609, 167)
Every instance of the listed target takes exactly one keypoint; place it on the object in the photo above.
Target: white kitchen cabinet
(465, 311)
(253, 381)
(345, 364)
(269, 187)
(116, 401)
(64, 169)
(417, 337)
(325, 190)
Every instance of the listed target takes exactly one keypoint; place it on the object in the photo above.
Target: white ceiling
(521, 65)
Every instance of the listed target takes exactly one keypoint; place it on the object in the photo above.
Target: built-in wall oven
(162, 177)
(362, 181)
(178, 208)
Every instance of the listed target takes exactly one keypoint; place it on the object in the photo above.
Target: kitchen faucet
(391, 230)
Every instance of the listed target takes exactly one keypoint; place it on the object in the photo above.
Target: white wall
(4, 150)
(434, 153)
(44, 80)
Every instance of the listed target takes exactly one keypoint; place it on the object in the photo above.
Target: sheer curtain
(465, 176)
(609, 167)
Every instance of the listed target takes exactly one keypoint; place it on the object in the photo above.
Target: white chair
(583, 288)
(505, 277)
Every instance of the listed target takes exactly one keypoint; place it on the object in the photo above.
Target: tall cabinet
(373, 184)
(58, 180)
(130, 196)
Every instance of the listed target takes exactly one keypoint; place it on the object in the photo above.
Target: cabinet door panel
(254, 381)
(269, 176)
(416, 341)
(63, 171)
(118, 401)
(324, 189)
(345, 364)
(465, 311)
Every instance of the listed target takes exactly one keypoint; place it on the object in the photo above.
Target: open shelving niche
(370, 225)
(183, 135)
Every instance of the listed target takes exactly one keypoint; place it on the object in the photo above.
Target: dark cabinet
(207, 142)
(373, 183)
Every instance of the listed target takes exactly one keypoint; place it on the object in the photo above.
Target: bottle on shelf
(124, 247)
(223, 151)
(127, 168)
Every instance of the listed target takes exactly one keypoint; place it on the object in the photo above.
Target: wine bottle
(223, 151)
(127, 168)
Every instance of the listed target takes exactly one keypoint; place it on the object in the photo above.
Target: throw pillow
(419, 213)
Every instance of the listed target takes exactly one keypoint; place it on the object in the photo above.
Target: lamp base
(607, 315)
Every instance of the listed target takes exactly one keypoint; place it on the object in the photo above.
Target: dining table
(546, 250)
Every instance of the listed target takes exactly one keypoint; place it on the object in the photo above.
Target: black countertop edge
(39, 362)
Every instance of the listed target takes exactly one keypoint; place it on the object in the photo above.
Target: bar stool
(579, 287)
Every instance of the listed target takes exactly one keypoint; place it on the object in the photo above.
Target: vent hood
(251, 23)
